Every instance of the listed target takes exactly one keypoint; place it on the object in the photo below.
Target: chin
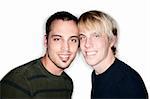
(63, 67)
(91, 63)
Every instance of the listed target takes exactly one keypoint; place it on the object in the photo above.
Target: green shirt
(33, 81)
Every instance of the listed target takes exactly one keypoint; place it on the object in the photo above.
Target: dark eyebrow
(74, 37)
(56, 35)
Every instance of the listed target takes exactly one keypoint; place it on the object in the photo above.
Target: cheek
(101, 43)
(53, 47)
(73, 48)
(103, 48)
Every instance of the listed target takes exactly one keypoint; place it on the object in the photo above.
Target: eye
(96, 35)
(74, 40)
(82, 37)
(56, 39)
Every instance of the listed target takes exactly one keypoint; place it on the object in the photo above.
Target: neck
(50, 66)
(105, 63)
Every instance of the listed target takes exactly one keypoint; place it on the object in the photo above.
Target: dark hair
(113, 48)
(62, 15)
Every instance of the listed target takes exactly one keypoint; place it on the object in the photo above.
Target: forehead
(89, 32)
(91, 27)
(66, 28)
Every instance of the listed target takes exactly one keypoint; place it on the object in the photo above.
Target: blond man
(111, 77)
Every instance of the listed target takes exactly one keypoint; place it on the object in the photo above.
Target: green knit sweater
(33, 81)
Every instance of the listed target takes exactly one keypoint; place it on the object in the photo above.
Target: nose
(65, 46)
(88, 43)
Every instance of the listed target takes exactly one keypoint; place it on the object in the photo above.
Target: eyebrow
(56, 35)
(61, 36)
(74, 37)
(81, 35)
(96, 33)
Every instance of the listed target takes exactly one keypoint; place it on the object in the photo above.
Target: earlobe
(113, 41)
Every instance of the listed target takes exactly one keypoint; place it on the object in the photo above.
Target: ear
(113, 41)
(45, 41)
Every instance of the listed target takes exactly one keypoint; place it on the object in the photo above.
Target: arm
(15, 87)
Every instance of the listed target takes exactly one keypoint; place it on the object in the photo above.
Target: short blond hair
(100, 22)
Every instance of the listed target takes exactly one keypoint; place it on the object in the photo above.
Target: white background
(22, 24)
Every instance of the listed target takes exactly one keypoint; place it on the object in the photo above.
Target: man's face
(94, 46)
(62, 43)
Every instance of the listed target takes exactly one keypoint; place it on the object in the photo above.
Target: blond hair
(100, 22)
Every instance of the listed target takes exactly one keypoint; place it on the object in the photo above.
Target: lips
(64, 57)
(90, 53)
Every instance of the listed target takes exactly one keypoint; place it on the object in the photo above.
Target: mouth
(64, 57)
(90, 53)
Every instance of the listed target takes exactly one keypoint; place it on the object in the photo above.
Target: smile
(64, 57)
(90, 53)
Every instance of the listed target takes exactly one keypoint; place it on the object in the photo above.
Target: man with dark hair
(44, 78)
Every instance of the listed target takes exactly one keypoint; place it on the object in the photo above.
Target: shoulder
(21, 71)
(66, 76)
(131, 81)
(129, 72)
(15, 83)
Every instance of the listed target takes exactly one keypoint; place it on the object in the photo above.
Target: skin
(62, 46)
(96, 49)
